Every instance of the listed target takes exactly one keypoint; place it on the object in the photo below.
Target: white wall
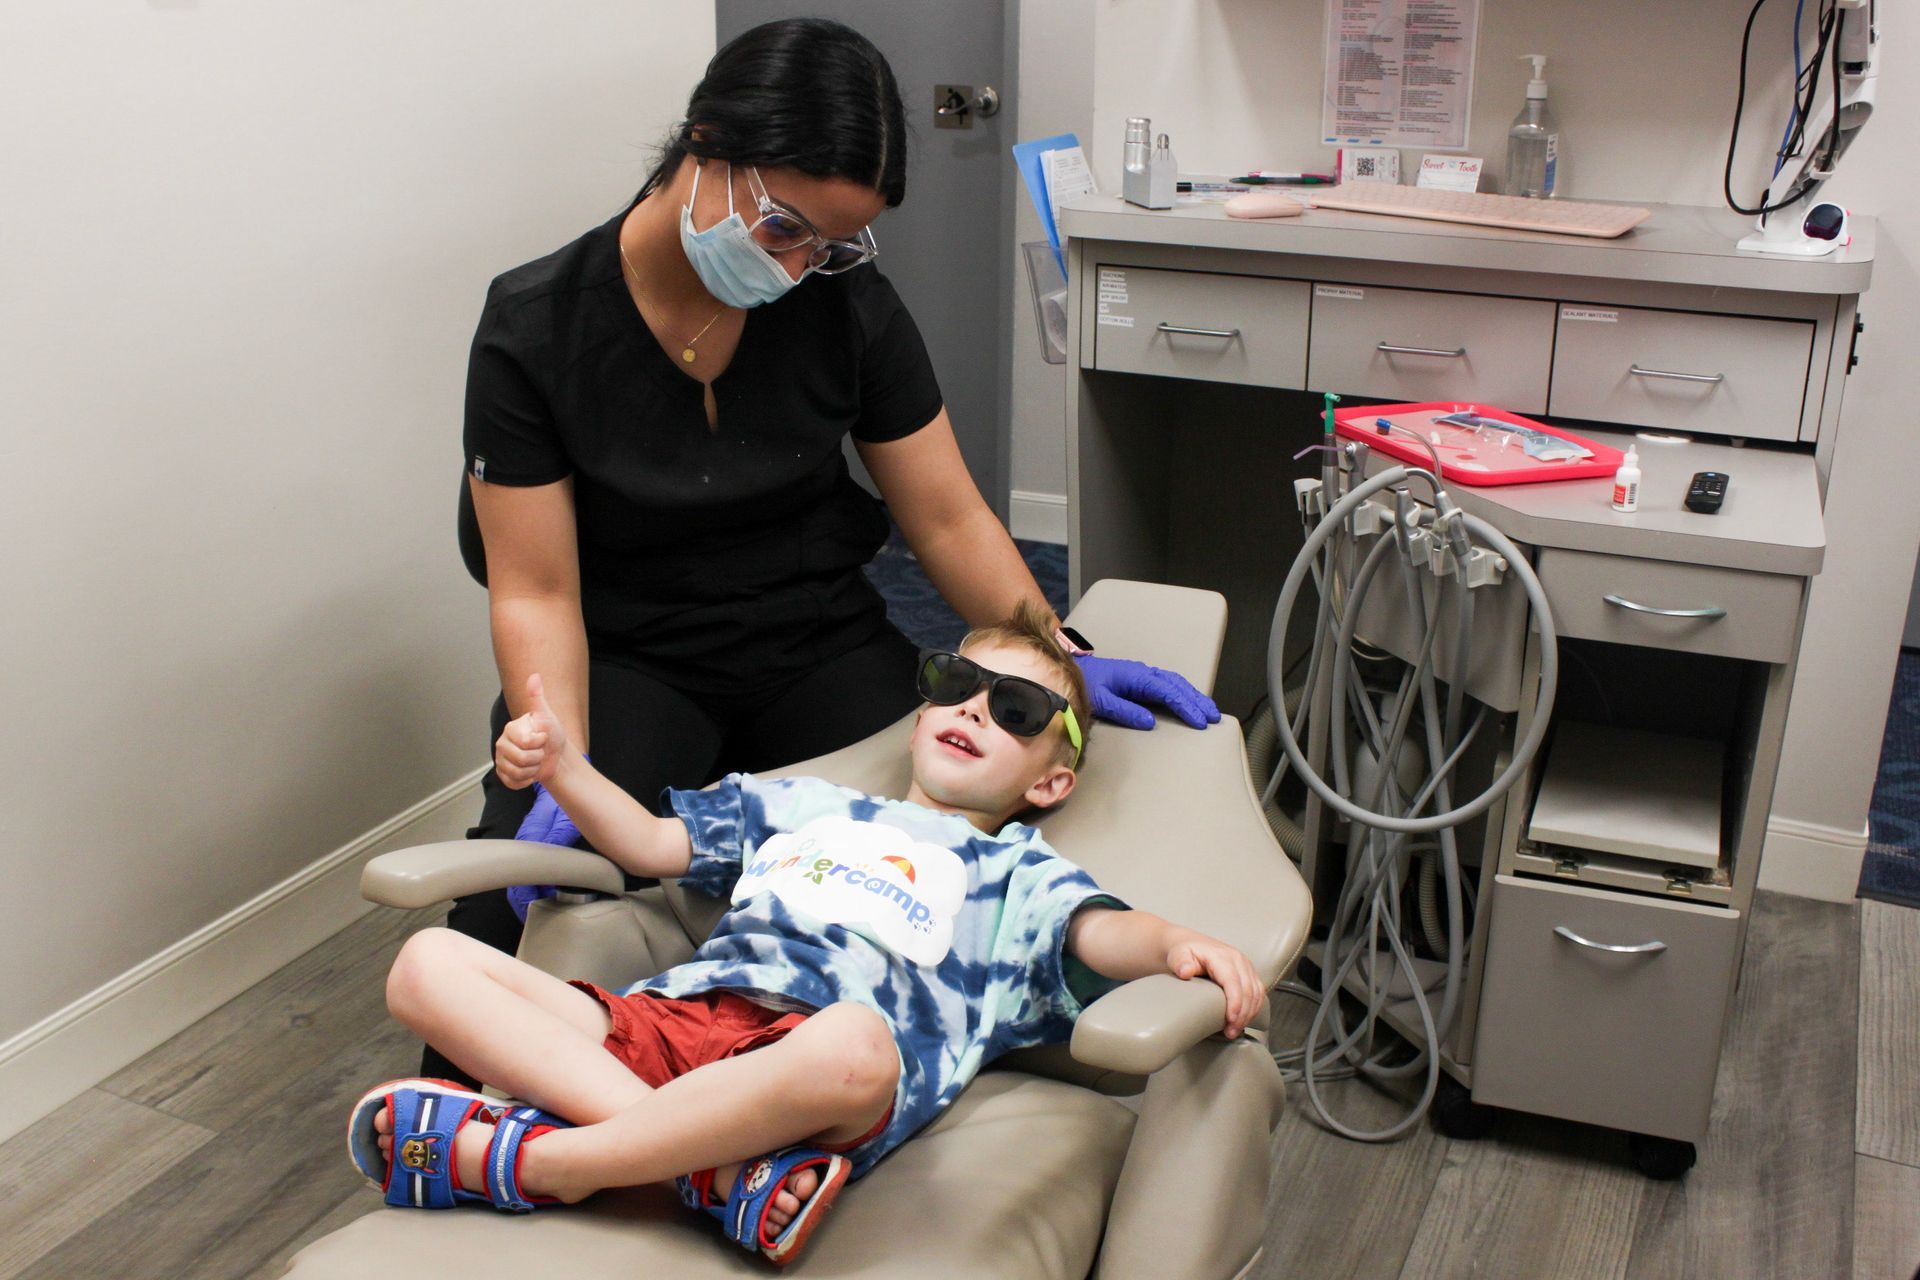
(1644, 94)
(245, 247)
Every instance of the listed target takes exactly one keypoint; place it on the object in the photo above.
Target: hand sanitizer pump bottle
(1533, 143)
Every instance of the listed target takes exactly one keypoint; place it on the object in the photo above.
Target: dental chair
(1039, 1171)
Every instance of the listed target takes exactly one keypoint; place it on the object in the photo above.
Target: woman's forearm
(544, 634)
(974, 565)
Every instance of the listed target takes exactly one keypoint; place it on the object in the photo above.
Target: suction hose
(1368, 908)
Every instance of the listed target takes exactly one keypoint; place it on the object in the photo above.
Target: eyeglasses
(780, 229)
(1021, 706)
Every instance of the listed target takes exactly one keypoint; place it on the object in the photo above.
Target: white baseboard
(1038, 517)
(1812, 861)
(73, 1049)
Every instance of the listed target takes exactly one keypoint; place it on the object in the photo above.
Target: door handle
(1637, 949)
(955, 105)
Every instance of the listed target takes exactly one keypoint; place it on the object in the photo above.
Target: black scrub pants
(648, 736)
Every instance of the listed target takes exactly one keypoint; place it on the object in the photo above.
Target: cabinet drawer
(1746, 615)
(1193, 324)
(1630, 1040)
(1451, 346)
(1729, 375)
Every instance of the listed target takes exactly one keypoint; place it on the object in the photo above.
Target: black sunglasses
(1021, 706)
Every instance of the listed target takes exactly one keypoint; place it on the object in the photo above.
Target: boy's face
(963, 759)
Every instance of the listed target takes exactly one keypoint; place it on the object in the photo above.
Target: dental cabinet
(1614, 881)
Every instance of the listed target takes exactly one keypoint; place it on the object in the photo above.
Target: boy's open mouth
(958, 741)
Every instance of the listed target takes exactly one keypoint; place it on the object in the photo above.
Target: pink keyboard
(1515, 213)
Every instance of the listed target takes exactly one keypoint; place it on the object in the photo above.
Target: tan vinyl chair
(1040, 1169)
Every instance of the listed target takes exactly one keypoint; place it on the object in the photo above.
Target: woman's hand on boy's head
(1196, 955)
(531, 746)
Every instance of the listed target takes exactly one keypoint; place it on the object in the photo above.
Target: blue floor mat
(917, 609)
(1891, 870)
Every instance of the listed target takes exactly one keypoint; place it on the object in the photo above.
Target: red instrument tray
(1469, 456)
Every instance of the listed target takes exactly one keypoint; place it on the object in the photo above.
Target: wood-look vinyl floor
(220, 1153)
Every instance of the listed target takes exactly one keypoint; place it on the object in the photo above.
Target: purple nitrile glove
(1120, 685)
(547, 823)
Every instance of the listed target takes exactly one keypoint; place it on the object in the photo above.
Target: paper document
(1031, 157)
(1068, 175)
(1399, 72)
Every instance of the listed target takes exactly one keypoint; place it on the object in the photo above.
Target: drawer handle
(1198, 333)
(1711, 611)
(1393, 350)
(1639, 949)
(1638, 372)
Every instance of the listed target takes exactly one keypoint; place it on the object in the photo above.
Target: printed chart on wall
(1399, 72)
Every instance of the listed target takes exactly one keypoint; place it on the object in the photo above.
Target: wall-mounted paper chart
(1399, 72)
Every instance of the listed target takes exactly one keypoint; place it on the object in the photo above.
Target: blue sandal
(426, 1116)
(744, 1215)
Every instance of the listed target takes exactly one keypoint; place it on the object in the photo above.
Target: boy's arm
(534, 748)
(1125, 945)
(618, 825)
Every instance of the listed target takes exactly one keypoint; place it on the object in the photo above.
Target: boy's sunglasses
(1021, 706)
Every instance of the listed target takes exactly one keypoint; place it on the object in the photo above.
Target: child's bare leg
(541, 1040)
(830, 1080)
(521, 1030)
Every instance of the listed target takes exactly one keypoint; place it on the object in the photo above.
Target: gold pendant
(687, 355)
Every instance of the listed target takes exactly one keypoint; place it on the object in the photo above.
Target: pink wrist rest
(1264, 204)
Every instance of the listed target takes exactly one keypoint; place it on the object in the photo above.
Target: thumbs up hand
(531, 746)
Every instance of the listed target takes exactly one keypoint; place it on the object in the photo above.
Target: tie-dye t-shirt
(956, 937)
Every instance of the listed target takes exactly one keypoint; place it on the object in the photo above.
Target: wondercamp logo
(874, 879)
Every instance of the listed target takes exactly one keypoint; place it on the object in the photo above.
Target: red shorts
(661, 1037)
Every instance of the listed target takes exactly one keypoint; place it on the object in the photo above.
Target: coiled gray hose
(1368, 908)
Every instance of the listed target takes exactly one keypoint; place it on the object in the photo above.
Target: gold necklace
(687, 353)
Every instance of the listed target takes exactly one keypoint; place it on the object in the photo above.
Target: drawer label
(1338, 291)
(1118, 322)
(1590, 313)
(1113, 285)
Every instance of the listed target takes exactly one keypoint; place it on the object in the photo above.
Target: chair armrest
(1146, 1024)
(430, 873)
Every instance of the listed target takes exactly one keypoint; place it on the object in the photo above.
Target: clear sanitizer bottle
(1533, 143)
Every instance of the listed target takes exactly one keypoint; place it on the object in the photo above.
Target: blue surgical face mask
(732, 267)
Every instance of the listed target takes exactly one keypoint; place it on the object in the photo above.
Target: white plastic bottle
(1626, 483)
(1533, 143)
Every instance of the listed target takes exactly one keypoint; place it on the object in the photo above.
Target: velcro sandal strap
(510, 1133)
(745, 1217)
(424, 1125)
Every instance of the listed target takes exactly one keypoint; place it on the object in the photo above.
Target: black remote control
(1707, 491)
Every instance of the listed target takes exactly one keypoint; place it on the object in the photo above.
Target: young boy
(877, 954)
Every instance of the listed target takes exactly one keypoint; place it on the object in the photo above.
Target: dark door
(946, 248)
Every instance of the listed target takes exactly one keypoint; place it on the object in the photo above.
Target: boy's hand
(531, 746)
(1196, 955)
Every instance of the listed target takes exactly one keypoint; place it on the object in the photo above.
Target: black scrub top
(722, 560)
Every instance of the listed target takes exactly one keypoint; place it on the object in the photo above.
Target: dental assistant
(659, 503)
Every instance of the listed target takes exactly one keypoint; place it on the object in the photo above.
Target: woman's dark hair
(800, 93)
